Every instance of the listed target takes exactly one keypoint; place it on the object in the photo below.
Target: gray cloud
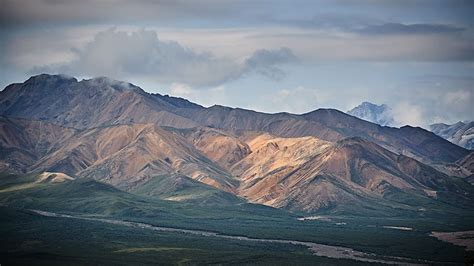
(121, 54)
(266, 62)
(358, 37)
(356, 23)
(399, 28)
(32, 12)
(238, 12)
(342, 22)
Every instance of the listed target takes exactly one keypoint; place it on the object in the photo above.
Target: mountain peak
(111, 83)
(368, 104)
(379, 114)
(41, 78)
(325, 112)
(460, 124)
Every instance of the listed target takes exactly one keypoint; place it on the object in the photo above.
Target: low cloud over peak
(141, 53)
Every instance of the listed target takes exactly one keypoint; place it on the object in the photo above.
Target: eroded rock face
(122, 155)
(309, 174)
(221, 147)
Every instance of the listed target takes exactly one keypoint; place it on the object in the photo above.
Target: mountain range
(169, 148)
(460, 133)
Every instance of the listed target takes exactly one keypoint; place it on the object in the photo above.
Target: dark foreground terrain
(28, 237)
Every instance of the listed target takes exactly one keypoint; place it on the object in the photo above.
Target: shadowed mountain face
(170, 148)
(466, 165)
(88, 103)
(24, 142)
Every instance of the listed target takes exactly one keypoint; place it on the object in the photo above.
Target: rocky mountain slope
(127, 156)
(314, 175)
(100, 101)
(330, 125)
(170, 148)
(223, 148)
(87, 103)
(23, 142)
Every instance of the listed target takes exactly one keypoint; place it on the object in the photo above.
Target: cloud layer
(140, 53)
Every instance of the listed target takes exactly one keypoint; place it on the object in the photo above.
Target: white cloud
(28, 49)
(458, 98)
(180, 89)
(416, 108)
(297, 100)
(121, 54)
(203, 96)
(405, 113)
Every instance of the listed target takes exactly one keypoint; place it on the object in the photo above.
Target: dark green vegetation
(27, 237)
(180, 187)
(31, 239)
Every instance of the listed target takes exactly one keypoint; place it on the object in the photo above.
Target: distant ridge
(460, 133)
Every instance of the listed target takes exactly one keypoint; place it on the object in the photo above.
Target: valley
(317, 249)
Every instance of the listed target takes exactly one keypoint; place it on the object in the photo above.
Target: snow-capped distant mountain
(379, 114)
(461, 133)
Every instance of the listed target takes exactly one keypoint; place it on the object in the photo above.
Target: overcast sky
(271, 56)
